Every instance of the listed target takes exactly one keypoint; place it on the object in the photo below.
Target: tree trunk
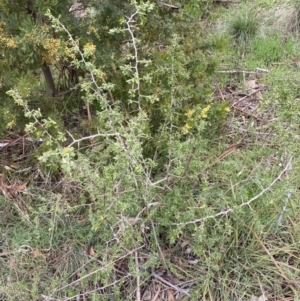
(49, 79)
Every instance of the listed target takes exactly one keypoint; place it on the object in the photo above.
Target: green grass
(255, 260)
(272, 49)
(244, 27)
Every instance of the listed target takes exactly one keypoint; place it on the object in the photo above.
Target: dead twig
(14, 141)
(231, 149)
(173, 7)
(164, 281)
(155, 298)
(257, 70)
(246, 96)
(138, 280)
(263, 121)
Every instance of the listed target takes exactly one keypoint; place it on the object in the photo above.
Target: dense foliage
(122, 126)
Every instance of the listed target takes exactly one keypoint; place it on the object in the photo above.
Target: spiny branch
(248, 203)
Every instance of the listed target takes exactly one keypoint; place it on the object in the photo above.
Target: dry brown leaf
(252, 87)
(37, 254)
(3, 186)
(260, 298)
(9, 190)
(8, 167)
(170, 295)
(184, 243)
(12, 263)
(91, 251)
(2, 180)
(22, 186)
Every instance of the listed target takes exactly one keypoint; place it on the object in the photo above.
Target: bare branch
(90, 137)
(287, 168)
(138, 278)
(227, 211)
(178, 289)
(257, 70)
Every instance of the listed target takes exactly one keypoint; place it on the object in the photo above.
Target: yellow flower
(51, 47)
(11, 124)
(92, 29)
(189, 113)
(69, 53)
(227, 109)
(186, 128)
(89, 49)
(11, 43)
(203, 113)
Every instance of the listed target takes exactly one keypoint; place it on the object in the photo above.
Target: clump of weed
(284, 17)
(293, 24)
(244, 27)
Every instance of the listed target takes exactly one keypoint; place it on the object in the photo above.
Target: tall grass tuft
(244, 27)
